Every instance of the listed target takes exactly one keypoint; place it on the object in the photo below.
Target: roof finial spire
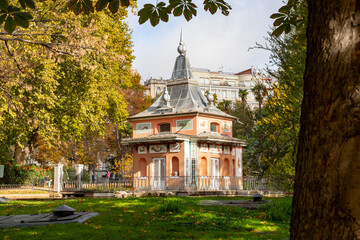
(181, 36)
(181, 48)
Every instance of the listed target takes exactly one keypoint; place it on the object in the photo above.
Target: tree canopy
(71, 85)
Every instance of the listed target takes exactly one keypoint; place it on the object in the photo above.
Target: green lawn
(21, 191)
(152, 218)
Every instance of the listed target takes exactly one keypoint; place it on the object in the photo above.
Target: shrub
(14, 174)
(24, 174)
(278, 209)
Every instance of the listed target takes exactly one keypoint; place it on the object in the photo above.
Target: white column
(79, 173)
(58, 177)
(239, 165)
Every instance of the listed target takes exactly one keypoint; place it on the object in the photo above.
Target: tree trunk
(21, 154)
(244, 114)
(326, 203)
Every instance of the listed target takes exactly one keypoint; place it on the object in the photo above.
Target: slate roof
(182, 94)
(185, 97)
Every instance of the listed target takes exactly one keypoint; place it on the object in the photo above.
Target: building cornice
(157, 116)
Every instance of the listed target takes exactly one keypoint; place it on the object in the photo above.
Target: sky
(214, 42)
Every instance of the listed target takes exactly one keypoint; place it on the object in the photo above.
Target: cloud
(212, 41)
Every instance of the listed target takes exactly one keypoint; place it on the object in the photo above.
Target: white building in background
(225, 85)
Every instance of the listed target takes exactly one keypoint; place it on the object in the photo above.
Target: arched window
(204, 167)
(142, 167)
(226, 167)
(164, 127)
(214, 127)
(175, 167)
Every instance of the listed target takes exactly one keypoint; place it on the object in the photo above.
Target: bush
(24, 174)
(14, 174)
(278, 209)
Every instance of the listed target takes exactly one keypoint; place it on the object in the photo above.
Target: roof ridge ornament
(181, 48)
(210, 97)
(166, 96)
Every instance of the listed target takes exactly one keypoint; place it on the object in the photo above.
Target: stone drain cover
(60, 215)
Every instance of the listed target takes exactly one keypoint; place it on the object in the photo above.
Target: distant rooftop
(247, 71)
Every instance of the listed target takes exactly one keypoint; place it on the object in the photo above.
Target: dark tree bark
(21, 154)
(326, 203)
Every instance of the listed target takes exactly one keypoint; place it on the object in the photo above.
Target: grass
(279, 210)
(150, 218)
(22, 191)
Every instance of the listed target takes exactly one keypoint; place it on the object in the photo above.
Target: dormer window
(214, 127)
(165, 127)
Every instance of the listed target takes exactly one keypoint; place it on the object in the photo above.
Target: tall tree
(243, 94)
(225, 106)
(327, 194)
(62, 93)
(280, 126)
(260, 92)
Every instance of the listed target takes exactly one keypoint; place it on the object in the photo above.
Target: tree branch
(46, 45)
(13, 57)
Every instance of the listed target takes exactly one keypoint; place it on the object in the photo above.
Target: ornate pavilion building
(182, 141)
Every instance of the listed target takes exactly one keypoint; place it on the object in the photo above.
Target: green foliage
(272, 149)
(260, 93)
(279, 210)
(70, 90)
(69, 173)
(242, 127)
(225, 106)
(154, 13)
(14, 14)
(179, 7)
(24, 174)
(213, 6)
(14, 174)
(293, 15)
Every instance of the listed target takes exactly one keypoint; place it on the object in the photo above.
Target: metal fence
(179, 183)
(33, 184)
(268, 184)
(207, 183)
(102, 185)
(171, 183)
